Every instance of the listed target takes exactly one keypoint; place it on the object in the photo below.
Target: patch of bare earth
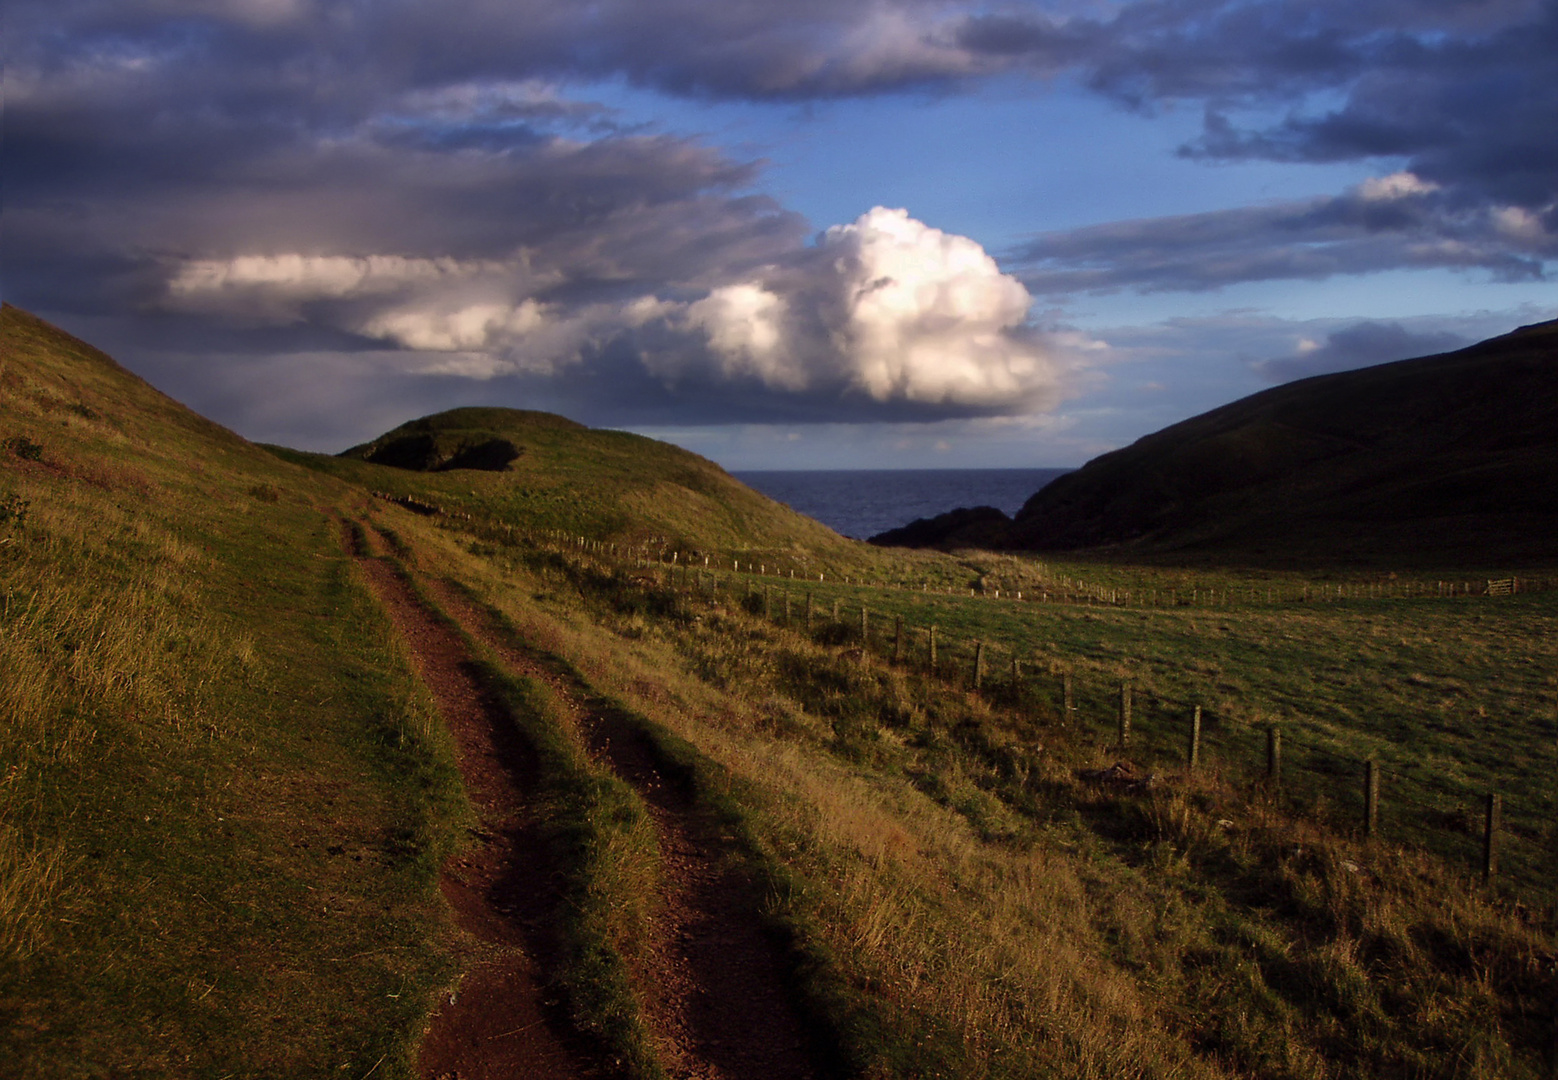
(498, 1023)
(712, 981)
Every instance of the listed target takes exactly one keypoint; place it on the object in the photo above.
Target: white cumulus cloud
(745, 325)
(471, 328)
(889, 307)
(883, 311)
(932, 318)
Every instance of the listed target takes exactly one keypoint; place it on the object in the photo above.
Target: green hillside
(223, 796)
(1442, 459)
(299, 780)
(612, 486)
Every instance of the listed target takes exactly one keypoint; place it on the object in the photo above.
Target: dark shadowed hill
(965, 527)
(469, 438)
(1444, 457)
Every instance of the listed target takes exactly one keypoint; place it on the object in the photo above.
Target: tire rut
(499, 1023)
(713, 984)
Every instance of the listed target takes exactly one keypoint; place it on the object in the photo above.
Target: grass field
(1453, 697)
(964, 882)
(225, 797)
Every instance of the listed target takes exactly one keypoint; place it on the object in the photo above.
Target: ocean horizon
(863, 502)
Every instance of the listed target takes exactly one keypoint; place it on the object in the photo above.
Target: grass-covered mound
(612, 486)
(1440, 459)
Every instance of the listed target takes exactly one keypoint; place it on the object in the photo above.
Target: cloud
(746, 331)
(1397, 221)
(1362, 344)
(326, 179)
(883, 309)
(278, 287)
(1460, 92)
(808, 49)
(1457, 94)
(469, 328)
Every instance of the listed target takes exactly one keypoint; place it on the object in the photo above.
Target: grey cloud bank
(1359, 345)
(391, 208)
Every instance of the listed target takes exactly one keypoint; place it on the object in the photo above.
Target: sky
(840, 234)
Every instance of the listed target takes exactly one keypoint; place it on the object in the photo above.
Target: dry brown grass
(976, 887)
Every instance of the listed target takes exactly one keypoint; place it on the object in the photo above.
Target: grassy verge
(953, 875)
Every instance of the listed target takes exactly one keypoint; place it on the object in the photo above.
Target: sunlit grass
(993, 916)
(223, 798)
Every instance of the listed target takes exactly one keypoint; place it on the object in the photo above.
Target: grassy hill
(1447, 458)
(228, 799)
(223, 796)
(612, 486)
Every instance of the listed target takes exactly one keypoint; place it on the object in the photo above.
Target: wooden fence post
(1016, 675)
(835, 609)
(1125, 714)
(897, 639)
(979, 665)
(1195, 740)
(1495, 808)
(1068, 701)
(808, 611)
(932, 646)
(865, 634)
(1370, 798)
(1274, 756)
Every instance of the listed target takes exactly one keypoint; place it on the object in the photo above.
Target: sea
(863, 502)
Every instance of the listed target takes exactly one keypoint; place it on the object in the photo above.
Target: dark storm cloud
(285, 179)
(413, 189)
(748, 49)
(1468, 103)
(1462, 94)
(1394, 222)
(1360, 345)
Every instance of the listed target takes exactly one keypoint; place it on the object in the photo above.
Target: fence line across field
(1064, 590)
(1368, 771)
(1376, 788)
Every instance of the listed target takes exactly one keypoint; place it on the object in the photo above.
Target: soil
(712, 981)
(499, 1023)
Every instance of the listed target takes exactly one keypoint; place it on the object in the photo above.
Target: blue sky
(879, 234)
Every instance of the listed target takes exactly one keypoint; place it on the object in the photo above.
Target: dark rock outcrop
(976, 526)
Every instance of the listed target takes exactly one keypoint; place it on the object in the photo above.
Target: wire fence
(1509, 836)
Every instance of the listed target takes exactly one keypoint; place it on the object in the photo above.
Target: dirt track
(497, 1026)
(711, 981)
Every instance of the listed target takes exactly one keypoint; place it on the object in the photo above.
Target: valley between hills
(501, 746)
